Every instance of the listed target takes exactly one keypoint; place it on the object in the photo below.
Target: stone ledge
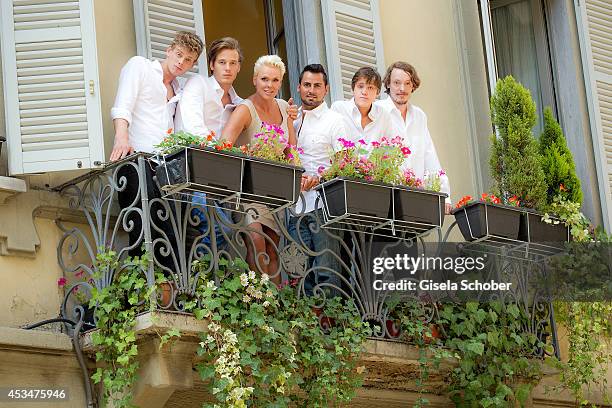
(33, 340)
(158, 322)
(10, 186)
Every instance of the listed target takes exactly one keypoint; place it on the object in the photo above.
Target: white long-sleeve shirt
(317, 131)
(423, 158)
(381, 125)
(142, 101)
(201, 110)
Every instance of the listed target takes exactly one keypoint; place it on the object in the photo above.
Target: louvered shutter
(352, 40)
(50, 78)
(157, 22)
(595, 29)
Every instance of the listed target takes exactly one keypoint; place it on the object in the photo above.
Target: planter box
(533, 229)
(478, 220)
(419, 206)
(271, 183)
(344, 196)
(202, 167)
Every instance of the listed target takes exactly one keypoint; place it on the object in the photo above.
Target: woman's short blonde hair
(271, 61)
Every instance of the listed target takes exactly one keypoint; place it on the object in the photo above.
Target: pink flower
(375, 144)
(75, 289)
(441, 173)
(362, 141)
(61, 282)
(79, 273)
(405, 151)
(321, 169)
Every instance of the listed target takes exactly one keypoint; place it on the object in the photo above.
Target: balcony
(177, 230)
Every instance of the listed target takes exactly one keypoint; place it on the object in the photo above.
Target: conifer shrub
(515, 159)
(558, 163)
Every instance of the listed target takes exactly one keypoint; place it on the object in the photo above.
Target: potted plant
(488, 217)
(515, 167)
(203, 162)
(561, 181)
(419, 201)
(350, 188)
(273, 174)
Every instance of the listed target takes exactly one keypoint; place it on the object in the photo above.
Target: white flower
(258, 294)
(213, 327)
(211, 285)
(244, 279)
(269, 293)
(266, 304)
(246, 299)
(252, 275)
(265, 278)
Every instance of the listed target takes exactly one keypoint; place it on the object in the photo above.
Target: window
(518, 46)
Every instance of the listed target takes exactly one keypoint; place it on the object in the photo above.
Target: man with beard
(410, 122)
(317, 130)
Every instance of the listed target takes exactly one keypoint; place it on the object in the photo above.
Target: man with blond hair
(147, 96)
(143, 114)
(410, 122)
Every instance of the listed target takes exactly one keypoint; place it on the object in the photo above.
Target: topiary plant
(515, 160)
(558, 163)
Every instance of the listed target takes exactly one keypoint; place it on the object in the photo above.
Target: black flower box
(416, 206)
(205, 169)
(343, 196)
(533, 229)
(271, 183)
(479, 220)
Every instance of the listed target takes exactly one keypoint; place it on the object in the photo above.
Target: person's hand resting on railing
(308, 182)
(121, 147)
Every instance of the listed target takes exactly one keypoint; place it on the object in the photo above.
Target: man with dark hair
(207, 102)
(410, 122)
(317, 130)
(364, 120)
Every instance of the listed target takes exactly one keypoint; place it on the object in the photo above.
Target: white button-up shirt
(380, 126)
(142, 101)
(317, 133)
(201, 110)
(423, 158)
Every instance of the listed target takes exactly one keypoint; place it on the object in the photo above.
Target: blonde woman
(246, 121)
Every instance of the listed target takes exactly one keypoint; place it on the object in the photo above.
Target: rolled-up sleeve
(130, 81)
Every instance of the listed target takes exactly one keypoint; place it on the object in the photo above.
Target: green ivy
(265, 347)
(116, 307)
(497, 367)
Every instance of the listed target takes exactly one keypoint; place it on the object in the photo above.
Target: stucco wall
(426, 34)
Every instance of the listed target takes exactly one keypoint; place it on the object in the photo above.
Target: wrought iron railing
(176, 230)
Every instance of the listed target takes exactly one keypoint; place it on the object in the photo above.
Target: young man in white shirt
(205, 107)
(143, 114)
(207, 102)
(410, 122)
(317, 130)
(363, 119)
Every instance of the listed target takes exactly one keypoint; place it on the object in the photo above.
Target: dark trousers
(127, 198)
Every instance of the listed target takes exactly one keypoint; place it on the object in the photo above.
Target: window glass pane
(515, 48)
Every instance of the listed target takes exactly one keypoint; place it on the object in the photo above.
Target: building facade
(60, 67)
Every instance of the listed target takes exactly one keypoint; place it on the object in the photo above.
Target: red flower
(61, 282)
(169, 131)
(464, 201)
(210, 137)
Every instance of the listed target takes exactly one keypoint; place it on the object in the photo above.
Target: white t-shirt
(423, 158)
(317, 132)
(201, 110)
(142, 101)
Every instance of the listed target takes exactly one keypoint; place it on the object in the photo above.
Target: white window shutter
(157, 22)
(51, 89)
(594, 18)
(353, 40)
